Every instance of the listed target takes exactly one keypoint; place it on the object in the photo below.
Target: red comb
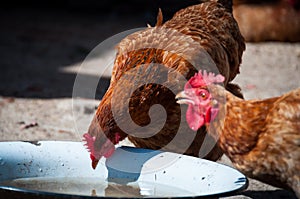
(211, 78)
(89, 143)
(204, 79)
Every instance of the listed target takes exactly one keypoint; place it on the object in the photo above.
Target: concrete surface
(41, 53)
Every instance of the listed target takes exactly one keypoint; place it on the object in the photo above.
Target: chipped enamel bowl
(57, 169)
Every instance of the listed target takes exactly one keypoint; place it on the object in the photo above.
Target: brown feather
(262, 137)
(159, 20)
(282, 20)
(179, 45)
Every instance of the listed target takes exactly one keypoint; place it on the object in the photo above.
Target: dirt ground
(41, 54)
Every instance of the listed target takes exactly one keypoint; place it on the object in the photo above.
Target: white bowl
(132, 172)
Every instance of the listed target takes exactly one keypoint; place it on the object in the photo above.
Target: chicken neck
(238, 124)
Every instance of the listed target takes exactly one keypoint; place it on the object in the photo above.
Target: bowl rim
(29, 193)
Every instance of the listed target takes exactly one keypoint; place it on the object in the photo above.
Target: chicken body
(262, 137)
(138, 81)
(268, 20)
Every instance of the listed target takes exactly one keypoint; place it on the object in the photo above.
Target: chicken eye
(203, 94)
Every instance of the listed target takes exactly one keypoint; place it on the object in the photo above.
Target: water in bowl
(96, 187)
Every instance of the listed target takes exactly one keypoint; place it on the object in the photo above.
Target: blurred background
(39, 38)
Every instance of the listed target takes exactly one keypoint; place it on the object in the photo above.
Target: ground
(41, 53)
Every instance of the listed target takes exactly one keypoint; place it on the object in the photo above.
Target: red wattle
(211, 114)
(194, 120)
(208, 115)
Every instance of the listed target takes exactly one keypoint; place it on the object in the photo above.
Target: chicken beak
(94, 163)
(183, 98)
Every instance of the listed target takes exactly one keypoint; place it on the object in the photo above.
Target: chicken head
(202, 107)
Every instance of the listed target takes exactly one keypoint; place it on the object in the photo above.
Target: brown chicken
(268, 20)
(151, 66)
(261, 137)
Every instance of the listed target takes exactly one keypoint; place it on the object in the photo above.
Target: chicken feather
(178, 45)
(282, 20)
(261, 137)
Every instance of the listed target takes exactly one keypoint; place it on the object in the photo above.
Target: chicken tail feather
(159, 18)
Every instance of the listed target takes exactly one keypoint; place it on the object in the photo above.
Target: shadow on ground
(275, 194)
(38, 40)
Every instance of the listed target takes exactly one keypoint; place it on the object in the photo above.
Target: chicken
(261, 137)
(269, 20)
(151, 66)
